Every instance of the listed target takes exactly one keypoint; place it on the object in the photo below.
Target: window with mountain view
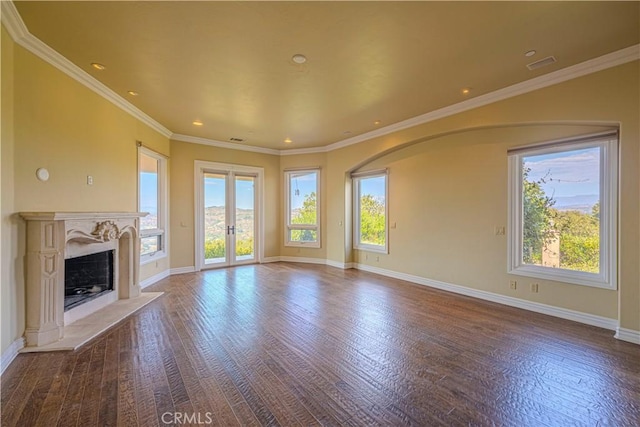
(370, 211)
(563, 204)
(302, 188)
(151, 184)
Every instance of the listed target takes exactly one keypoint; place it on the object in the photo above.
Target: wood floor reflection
(293, 344)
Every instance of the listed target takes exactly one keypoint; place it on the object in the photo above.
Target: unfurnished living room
(320, 213)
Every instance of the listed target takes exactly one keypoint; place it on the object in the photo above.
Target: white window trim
(607, 277)
(356, 177)
(163, 211)
(288, 226)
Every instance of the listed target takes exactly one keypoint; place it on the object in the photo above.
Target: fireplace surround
(52, 238)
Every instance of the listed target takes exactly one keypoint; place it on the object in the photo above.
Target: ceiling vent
(542, 63)
(236, 139)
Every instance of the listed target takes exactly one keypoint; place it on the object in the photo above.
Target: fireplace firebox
(87, 277)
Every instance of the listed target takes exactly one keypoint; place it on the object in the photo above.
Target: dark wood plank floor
(293, 344)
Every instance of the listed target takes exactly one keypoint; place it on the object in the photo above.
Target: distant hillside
(215, 225)
(583, 203)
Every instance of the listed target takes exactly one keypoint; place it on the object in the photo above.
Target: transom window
(370, 211)
(563, 211)
(152, 199)
(302, 227)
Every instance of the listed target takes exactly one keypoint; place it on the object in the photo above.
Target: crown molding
(609, 60)
(223, 144)
(311, 150)
(20, 34)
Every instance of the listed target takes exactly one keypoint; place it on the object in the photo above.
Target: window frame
(161, 231)
(357, 178)
(608, 274)
(288, 226)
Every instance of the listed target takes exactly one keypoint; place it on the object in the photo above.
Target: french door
(227, 215)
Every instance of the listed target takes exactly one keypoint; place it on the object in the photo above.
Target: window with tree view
(303, 207)
(563, 211)
(370, 209)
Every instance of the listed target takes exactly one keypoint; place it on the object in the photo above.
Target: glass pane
(303, 236)
(148, 191)
(215, 220)
(302, 198)
(149, 245)
(561, 210)
(245, 217)
(372, 210)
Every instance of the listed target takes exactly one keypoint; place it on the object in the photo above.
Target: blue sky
(214, 192)
(373, 186)
(305, 183)
(570, 173)
(149, 192)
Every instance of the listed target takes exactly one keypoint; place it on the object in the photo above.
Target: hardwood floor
(293, 344)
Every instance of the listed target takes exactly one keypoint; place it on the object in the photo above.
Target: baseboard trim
(182, 270)
(628, 335)
(322, 261)
(563, 313)
(153, 279)
(270, 259)
(10, 354)
(303, 260)
(342, 265)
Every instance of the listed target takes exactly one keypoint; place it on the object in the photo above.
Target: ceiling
(369, 64)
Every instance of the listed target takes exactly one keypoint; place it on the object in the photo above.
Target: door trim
(200, 166)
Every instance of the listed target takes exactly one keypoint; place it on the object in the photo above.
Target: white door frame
(200, 166)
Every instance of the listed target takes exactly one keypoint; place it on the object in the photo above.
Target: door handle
(231, 229)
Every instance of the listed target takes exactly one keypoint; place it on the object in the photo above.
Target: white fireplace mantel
(53, 237)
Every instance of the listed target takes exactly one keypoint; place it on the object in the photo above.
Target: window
(152, 179)
(370, 211)
(562, 211)
(302, 208)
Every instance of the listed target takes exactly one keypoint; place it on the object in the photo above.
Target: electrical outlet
(89, 180)
(499, 230)
(377, 259)
(534, 288)
(513, 284)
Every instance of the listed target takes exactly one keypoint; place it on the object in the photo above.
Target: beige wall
(61, 125)
(472, 165)
(447, 195)
(183, 156)
(11, 295)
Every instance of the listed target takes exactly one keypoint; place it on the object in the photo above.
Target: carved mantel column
(44, 281)
(54, 236)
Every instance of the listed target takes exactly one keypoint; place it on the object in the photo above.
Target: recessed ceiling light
(529, 53)
(98, 66)
(288, 141)
(133, 93)
(197, 123)
(299, 58)
(466, 91)
(377, 122)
